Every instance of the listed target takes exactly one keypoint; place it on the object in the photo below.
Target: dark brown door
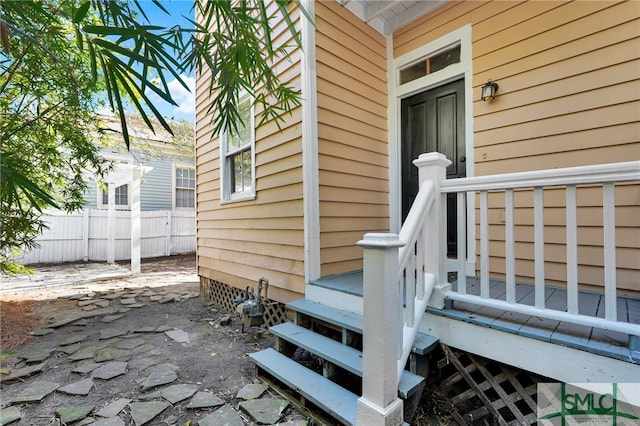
(434, 121)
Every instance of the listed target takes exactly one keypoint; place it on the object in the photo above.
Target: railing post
(432, 167)
(135, 222)
(167, 235)
(382, 332)
(111, 224)
(85, 235)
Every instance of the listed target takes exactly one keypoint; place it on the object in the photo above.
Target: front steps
(331, 382)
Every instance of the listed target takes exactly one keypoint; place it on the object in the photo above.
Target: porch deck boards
(602, 342)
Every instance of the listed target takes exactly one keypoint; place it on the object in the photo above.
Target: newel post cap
(432, 159)
(381, 240)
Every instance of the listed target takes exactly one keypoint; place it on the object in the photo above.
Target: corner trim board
(310, 173)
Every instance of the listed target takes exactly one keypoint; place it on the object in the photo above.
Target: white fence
(84, 236)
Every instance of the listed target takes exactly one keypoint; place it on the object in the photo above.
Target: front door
(434, 121)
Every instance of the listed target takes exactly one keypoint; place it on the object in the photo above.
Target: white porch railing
(413, 264)
(604, 176)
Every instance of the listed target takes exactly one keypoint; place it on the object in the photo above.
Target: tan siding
(283, 209)
(280, 150)
(602, 154)
(240, 242)
(341, 209)
(569, 77)
(266, 249)
(595, 99)
(484, 18)
(340, 120)
(562, 61)
(352, 133)
(338, 92)
(286, 237)
(336, 76)
(282, 287)
(555, 28)
(344, 264)
(331, 148)
(332, 133)
(581, 140)
(337, 178)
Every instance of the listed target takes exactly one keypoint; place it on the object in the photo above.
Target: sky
(186, 101)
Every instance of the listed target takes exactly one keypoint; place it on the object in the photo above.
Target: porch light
(489, 91)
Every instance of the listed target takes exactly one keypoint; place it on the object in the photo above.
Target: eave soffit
(386, 16)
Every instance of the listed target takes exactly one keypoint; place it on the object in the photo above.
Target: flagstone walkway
(63, 275)
(136, 351)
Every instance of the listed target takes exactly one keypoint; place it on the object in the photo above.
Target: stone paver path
(64, 275)
(103, 369)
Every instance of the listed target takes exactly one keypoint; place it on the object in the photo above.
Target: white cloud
(186, 100)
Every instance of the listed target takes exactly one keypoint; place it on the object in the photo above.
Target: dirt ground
(215, 356)
(25, 310)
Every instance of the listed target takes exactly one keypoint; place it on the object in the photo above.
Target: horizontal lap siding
(589, 234)
(352, 136)
(569, 95)
(238, 243)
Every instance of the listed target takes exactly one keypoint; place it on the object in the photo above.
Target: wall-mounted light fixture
(489, 91)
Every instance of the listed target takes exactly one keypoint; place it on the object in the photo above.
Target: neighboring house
(167, 200)
(170, 185)
(384, 82)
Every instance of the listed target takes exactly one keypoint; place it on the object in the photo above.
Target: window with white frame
(185, 187)
(122, 196)
(238, 156)
(121, 192)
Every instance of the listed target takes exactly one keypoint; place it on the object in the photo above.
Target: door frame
(397, 92)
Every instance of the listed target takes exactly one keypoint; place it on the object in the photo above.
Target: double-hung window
(185, 187)
(238, 156)
(122, 197)
(121, 192)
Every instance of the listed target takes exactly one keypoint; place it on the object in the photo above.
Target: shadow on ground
(138, 350)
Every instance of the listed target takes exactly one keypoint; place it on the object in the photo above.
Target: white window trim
(397, 92)
(120, 159)
(174, 187)
(226, 196)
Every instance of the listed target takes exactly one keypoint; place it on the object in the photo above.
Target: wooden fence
(84, 236)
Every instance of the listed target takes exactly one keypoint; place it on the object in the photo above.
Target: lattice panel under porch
(274, 313)
(223, 295)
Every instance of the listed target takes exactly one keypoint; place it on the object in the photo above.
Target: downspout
(310, 179)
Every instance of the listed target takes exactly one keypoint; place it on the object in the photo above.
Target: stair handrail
(416, 297)
(413, 259)
(424, 235)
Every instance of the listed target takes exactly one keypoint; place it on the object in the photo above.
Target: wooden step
(345, 319)
(325, 394)
(351, 321)
(340, 355)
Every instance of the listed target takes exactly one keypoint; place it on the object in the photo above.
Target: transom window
(430, 64)
(185, 185)
(238, 156)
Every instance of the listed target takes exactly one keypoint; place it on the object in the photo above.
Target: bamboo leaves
(233, 40)
(63, 60)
